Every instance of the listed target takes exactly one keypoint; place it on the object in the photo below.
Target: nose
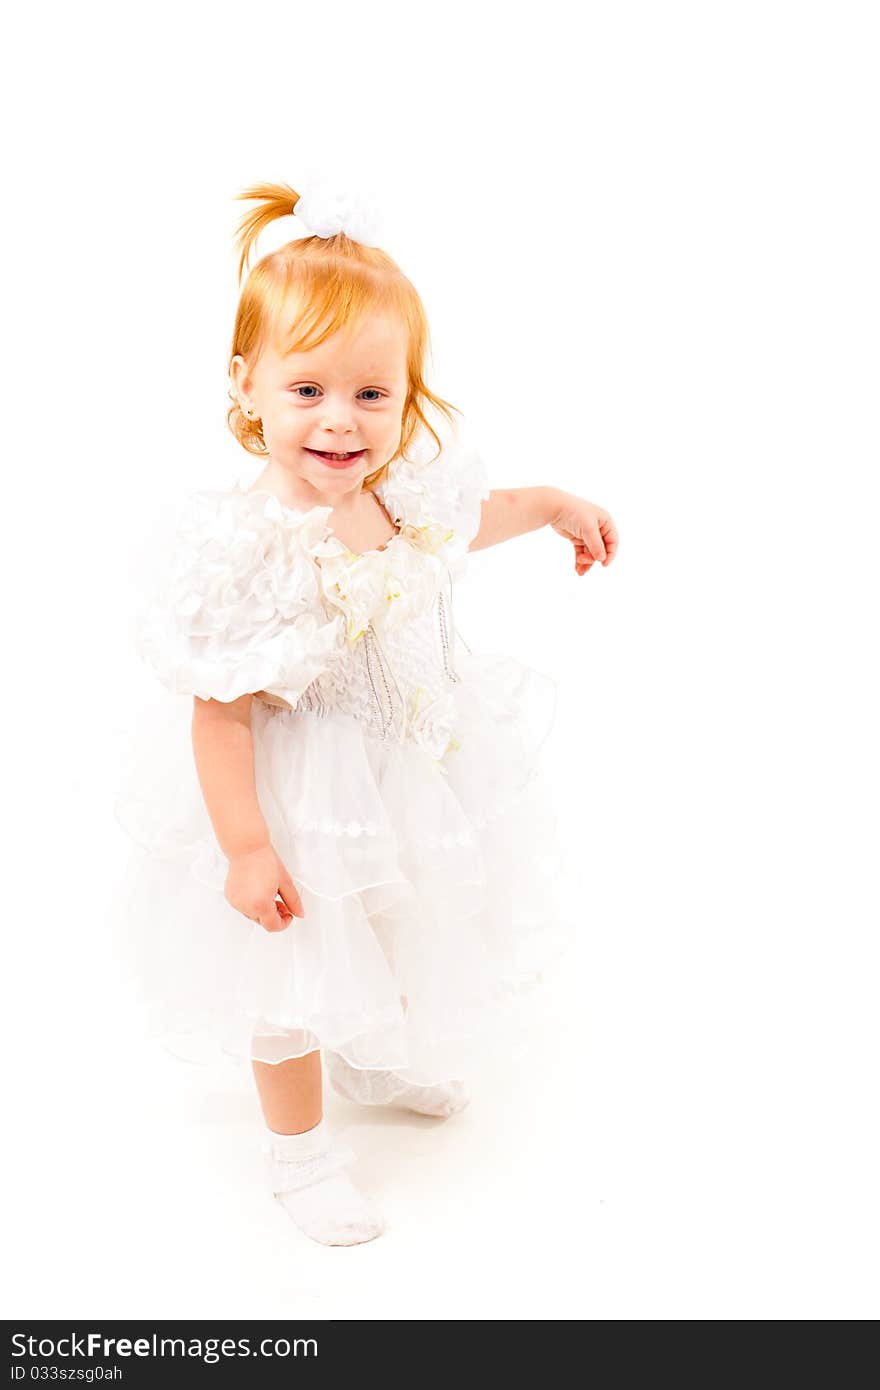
(337, 419)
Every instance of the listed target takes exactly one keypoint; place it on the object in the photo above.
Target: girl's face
(344, 397)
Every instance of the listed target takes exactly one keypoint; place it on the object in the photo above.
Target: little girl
(349, 851)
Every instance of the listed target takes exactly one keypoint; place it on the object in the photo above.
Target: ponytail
(276, 200)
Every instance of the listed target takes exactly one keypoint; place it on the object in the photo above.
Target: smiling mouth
(335, 458)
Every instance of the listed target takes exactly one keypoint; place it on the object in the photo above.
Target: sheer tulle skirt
(429, 887)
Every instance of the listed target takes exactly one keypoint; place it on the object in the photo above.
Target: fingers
(286, 906)
(598, 545)
(593, 535)
(253, 901)
(283, 911)
(611, 538)
(583, 560)
(290, 898)
(271, 918)
(594, 542)
(274, 916)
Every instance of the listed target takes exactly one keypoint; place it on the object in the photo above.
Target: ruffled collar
(435, 503)
(430, 537)
(384, 586)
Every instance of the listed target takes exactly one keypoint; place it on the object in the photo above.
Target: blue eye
(376, 393)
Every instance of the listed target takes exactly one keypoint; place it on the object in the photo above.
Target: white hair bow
(324, 211)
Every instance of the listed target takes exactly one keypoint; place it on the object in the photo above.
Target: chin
(344, 479)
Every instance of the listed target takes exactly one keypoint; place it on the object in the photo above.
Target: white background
(646, 237)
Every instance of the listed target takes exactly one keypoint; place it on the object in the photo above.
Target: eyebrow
(386, 378)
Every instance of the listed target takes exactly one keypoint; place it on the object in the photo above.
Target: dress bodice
(266, 599)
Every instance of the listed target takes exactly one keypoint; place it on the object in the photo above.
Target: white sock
(387, 1088)
(307, 1175)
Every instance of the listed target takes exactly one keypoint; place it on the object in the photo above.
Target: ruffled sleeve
(443, 493)
(239, 610)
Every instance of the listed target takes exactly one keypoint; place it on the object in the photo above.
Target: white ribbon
(324, 211)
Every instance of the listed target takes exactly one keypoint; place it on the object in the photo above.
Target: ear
(239, 376)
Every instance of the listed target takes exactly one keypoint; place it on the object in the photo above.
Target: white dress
(397, 772)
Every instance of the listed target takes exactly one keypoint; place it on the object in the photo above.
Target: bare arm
(224, 754)
(513, 511)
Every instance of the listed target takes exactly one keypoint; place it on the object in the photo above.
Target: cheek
(383, 422)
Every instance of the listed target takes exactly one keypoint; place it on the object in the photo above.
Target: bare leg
(307, 1172)
(290, 1093)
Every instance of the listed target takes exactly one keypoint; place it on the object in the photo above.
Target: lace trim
(291, 1174)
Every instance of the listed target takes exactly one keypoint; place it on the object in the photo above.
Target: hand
(252, 883)
(590, 530)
